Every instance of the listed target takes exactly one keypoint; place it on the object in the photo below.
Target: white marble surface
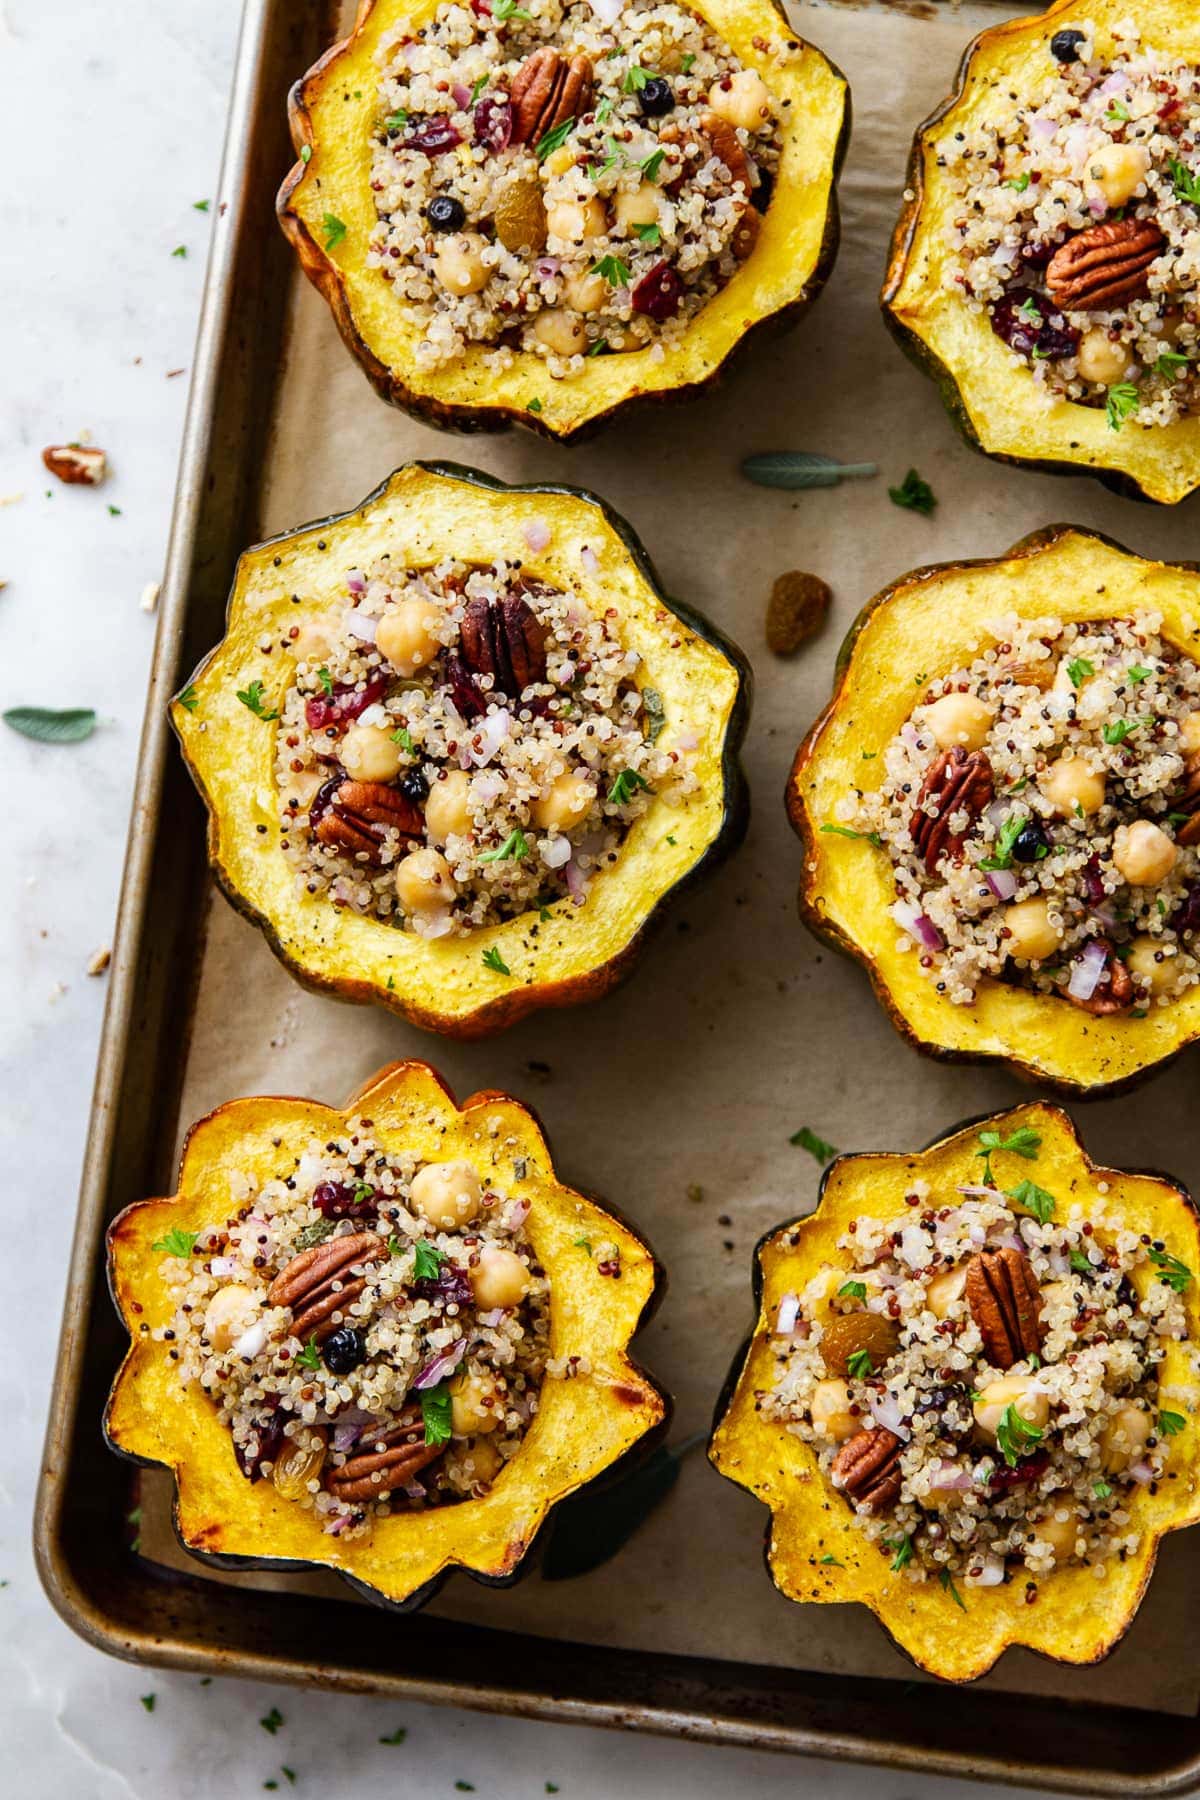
(109, 133)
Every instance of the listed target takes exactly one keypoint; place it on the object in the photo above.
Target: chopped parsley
(492, 959)
(1137, 674)
(1010, 831)
(189, 699)
(435, 1411)
(1170, 1424)
(872, 837)
(478, 88)
(514, 848)
(1187, 185)
(614, 270)
(859, 1365)
(547, 145)
(914, 494)
(534, 405)
(310, 1356)
(1024, 1141)
(1176, 1274)
(394, 1246)
(652, 165)
(273, 1721)
(396, 121)
(625, 786)
(582, 1244)
(1080, 1263)
(148, 1701)
(597, 348)
(1169, 362)
(903, 1546)
(428, 1260)
(685, 64)
(363, 1192)
(816, 1146)
(395, 1737)
(316, 1233)
(177, 1242)
(253, 698)
(1035, 1200)
(853, 1290)
(1079, 668)
(1117, 113)
(948, 1587)
(1117, 730)
(306, 153)
(1101, 1490)
(179, 250)
(604, 110)
(834, 1561)
(404, 738)
(1014, 1435)
(1018, 183)
(326, 681)
(200, 205)
(334, 230)
(635, 79)
(1030, 312)
(650, 235)
(1122, 402)
(507, 9)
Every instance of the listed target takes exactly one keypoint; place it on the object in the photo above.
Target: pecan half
(1002, 1292)
(1187, 800)
(867, 1468)
(76, 463)
(717, 137)
(548, 90)
(356, 816)
(504, 638)
(1103, 266)
(318, 1283)
(376, 1471)
(959, 783)
(1112, 993)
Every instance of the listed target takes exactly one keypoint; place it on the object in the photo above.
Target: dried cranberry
(1027, 322)
(434, 135)
(451, 1285)
(1186, 916)
(1026, 1470)
(659, 293)
(463, 691)
(343, 1350)
(494, 125)
(1093, 882)
(263, 1447)
(338, 1200)
(1037, 252)
(347, 701)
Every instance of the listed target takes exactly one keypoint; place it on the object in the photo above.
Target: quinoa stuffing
(565, 180)
(1041, 811)
(372, 1331)
(1076, 228)
(461, 745)
(979, 1377)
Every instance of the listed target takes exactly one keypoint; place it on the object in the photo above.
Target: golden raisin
(299, 1462)
(796, 610)
(520, 215)
(849, 1333)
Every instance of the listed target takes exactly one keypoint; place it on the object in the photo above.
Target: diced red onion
(1008, 1240)
(433, 925)
(1104, 915)
(1117, 83)
(1088, 971)
(885, 1410)
(910, 735)
(1076, 140)
(997, 813)
(337, 1525)
(980, 1193)
(789, 1311)
(913, 1248)
(440, 1366)
(356, 582)
(487, 785)
(1142, 1473)
(687, 740)
(574, 878)
(493, 1317)
(251, 1341)
(1097, 205)
(991, 1573)
(556, 852)
(1042, 129)
(927, 932)
(546, 267)
(223, 1267)
(517, 1214)
(951, 1478)
(590, 560)
(462, 95)
(607, 12)
(346, 1436)
(362, 625)
(536, 533)
(483, 743)
(414, 1491)
(1002, 882)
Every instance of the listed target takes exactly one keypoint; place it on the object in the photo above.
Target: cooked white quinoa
(1097, 139)
(499, 802)
(607, 232)
(1003, 1473)
(452, 1324)
(1080, 870)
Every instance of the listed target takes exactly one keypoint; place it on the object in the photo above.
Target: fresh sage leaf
(592, 1526)
(800, 469)
(48, 727)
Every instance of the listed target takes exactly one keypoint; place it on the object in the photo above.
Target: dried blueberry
(262, 1447)
(1031, 843)
(1064, 46)
(451, 1285)
(1030, 325)
(343, 1350)
(445, 213)
(414, 787)
(656, 98)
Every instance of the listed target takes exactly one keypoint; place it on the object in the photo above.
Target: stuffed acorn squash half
(1045, 265)
(969, 1397)
(538, 214)
(457, 747)
(1000, 809)
(370, 1340)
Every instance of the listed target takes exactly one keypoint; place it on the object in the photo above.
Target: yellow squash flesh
(423, 513)
(334, 115)
(990, 391)
(929, 623)
(816, 1553)
(582, 1426)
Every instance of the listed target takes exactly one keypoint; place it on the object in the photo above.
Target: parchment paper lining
(738, 1027)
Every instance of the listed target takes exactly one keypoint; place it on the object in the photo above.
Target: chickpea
(1124, 1438)
(560, 331)
(228, 1314)
(407, 635)
(1143, 853)
(424, 883)
(1118, 170)
(448, 808)
(447, 1194)
(1073, 788)
(1189, 733)
(1060, 1533)
(560, 160)
(945, 1289)
(958, 719)
(577, 221)
(1018, 1391)
(743, 99)
(486, 1461)
(586, 292)
(830, 1411)
(566, 803)
(637, 208)
(303, 788)
(313, 640)
(370, 753)
(942, 1499)
(460, 266)
(1153, 965)
(499, 1278)
(1101, 360)
(1033, 936)
(474, 1406)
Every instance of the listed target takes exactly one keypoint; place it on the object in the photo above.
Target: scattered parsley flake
(1079, 668)
(404, 738)
(816, 1146)
(189, 699)
(1102, 1490)
(1170, 1424)
(685, 62)
(914, 494)
(1187, 185)
(115, 511)
(177, 1242)
(652, 165)
(903, 1547)
(394, 122)
(429, 1260)
(853, 1290)
(948, 1587)
(514, 848)
(395, 1737)
(1176, 1274)
(273, 1721)
(492, 959)
(435, 1411)
(305, 153)
(148, 1701)
(326, 681)
(1138, 673)
(1030, 312)
(1015, 1434)
(310, 1356)
(625, 786)
(1121, 404)
(1117, 113)
(614, 271)
(859, 1365)
(1035, 1200)
(582, 1243)
(635, 79)
(871, 837)
(507, 9)
(200, 205)
(179, 250)
(534, 405)
(1080, 1263)
(478, 88)
(1117, 730)
(253, 698)
(1169, 362)
(1010, 831)
(650, 235)
(1018, 183)
(547, 145)
(334, 229)
(834, 1561)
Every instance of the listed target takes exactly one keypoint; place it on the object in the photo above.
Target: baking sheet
(738, 1027)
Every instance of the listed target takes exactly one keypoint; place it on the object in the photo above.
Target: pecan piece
(959, 783)
(1114, 991)
(1187, 800)
(356, 816)
(547, 90)
(376, 1471)
(717, 137)
(318, 1283)
(1104, 266)
(76, 463)
(1002, 1293)
(505, 639)
(867, 1468)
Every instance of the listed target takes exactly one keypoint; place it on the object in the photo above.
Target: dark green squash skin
(325, 276)
(519, 1001)
(821, 928)
(1117, 481)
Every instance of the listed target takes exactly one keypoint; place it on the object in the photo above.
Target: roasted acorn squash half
(575, 953)
(929, 622)
(814, 1550)
(334, 112)
(990, 392)
(582, 1428)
